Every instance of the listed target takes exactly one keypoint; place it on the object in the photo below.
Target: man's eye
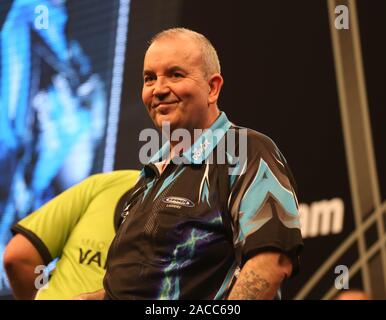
(148, 79)
(178, 75)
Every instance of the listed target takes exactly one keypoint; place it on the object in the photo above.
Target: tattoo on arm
(250, 287)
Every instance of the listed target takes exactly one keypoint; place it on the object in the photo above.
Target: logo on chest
(177, 202)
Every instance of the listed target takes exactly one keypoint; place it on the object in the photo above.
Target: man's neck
(211, 120)
(186, 145)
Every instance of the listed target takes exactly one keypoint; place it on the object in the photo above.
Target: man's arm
(261, 277)
(97, 295)
(20, 261)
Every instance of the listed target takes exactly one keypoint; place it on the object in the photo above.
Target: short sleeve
(268, 210)
(49, 227)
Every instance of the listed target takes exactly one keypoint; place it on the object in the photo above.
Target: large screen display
(61, 67)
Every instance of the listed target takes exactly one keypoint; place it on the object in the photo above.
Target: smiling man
(191, 230)
(182, 81)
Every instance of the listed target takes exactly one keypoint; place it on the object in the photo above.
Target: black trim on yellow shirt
(35, 240)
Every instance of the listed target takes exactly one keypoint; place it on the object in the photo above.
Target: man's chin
(165, 121)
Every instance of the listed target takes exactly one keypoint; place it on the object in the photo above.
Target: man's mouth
(161, 104)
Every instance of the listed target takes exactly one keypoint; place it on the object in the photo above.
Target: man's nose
(161, 88)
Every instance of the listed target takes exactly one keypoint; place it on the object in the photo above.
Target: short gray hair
(211, 63)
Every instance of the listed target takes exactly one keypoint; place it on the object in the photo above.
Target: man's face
(175, 89)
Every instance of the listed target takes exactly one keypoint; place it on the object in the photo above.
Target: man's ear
(215, 83)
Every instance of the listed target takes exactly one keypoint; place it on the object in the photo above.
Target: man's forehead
(176, 51)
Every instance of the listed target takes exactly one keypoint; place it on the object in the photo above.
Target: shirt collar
(203, 146)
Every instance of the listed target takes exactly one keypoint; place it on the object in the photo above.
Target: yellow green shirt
(78, 227)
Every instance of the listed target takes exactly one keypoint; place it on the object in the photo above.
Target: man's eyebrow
(147, 72)
(168, 70)
(175, 68)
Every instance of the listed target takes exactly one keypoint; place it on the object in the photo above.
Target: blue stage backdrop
(61, 66)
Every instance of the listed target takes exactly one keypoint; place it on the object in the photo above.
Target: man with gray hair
(191, 230)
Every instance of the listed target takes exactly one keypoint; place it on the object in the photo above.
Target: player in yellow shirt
(77, 227)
